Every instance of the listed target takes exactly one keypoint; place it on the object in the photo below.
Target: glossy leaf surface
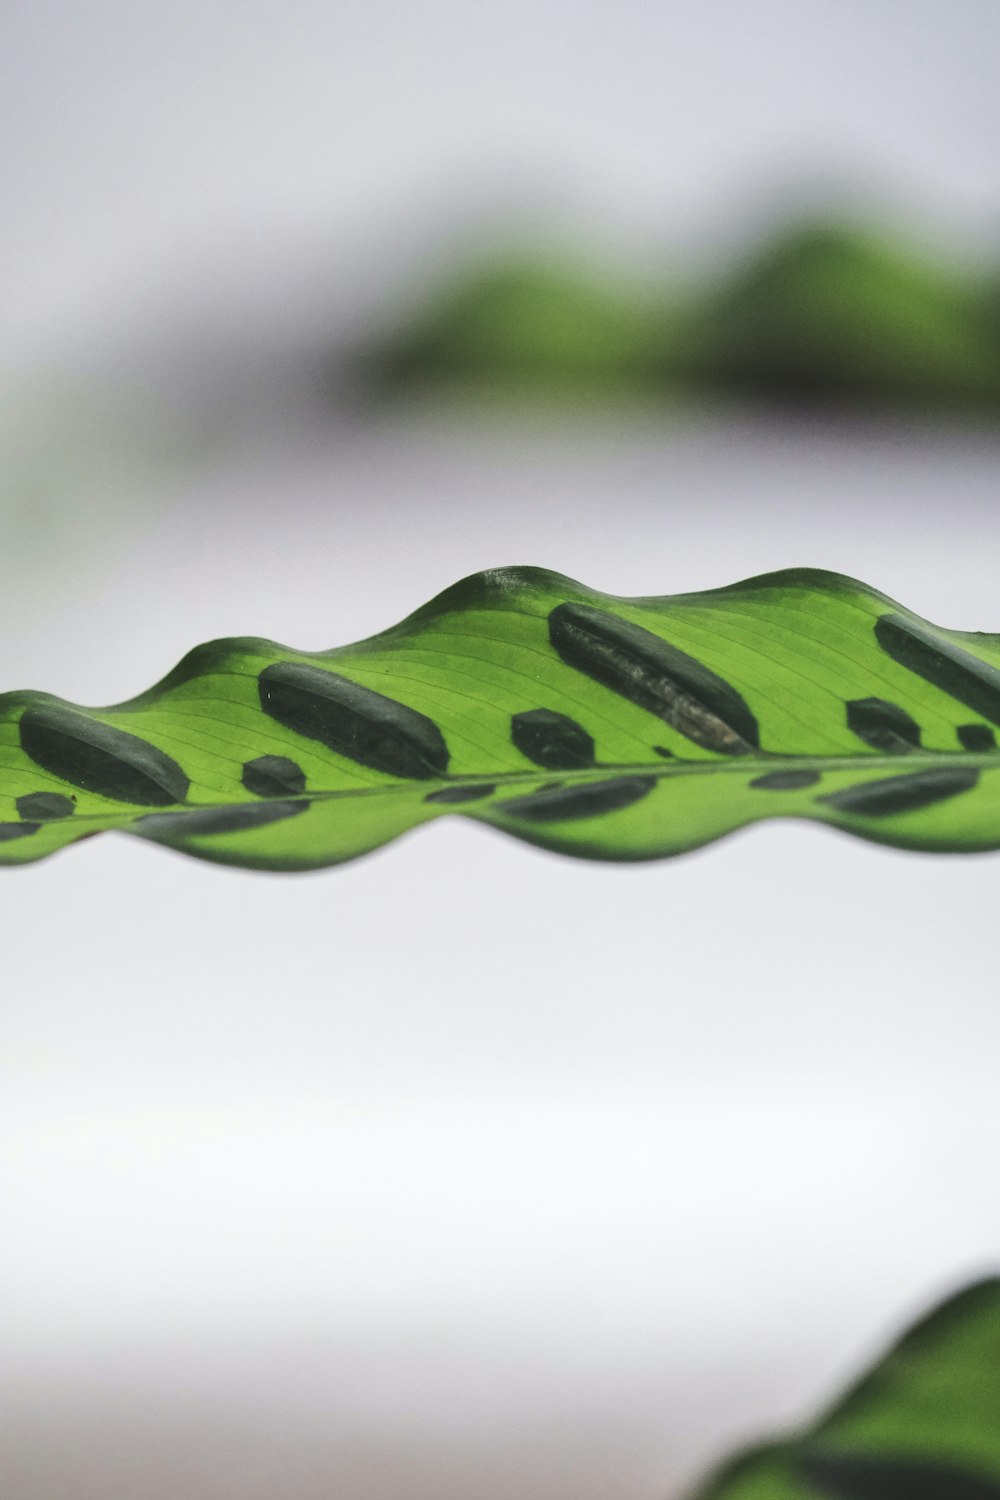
(924, 1425)
(609, 728)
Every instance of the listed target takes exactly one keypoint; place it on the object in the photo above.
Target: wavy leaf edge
(591, 724)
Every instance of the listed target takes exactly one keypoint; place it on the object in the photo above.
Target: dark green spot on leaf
(273, 776)
(44, 807)
(786, 781)
(202, 822)
(457, 794)
(883, 725)
(902, 794)
(655, 676)
(10, 831)
(977, 737)
(552, 740)
(866, 1477)
(559, 804)
(356, 722)
(947, 666)
(100, 759)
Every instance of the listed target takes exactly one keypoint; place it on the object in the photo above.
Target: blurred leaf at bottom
(924, 1424)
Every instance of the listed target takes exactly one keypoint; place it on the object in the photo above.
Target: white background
(463, 1169)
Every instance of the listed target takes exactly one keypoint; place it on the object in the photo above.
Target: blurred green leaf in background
(829, 313)
(531, 322)
(822, 313)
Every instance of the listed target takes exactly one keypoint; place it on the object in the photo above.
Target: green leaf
(525, 322)
(831, 312)
(923, 1425)
(609, 728)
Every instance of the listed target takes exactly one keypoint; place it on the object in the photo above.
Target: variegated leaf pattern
(598, 726)
(923, 1425)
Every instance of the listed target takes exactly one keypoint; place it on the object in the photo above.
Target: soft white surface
(462, 1170)
(466, 1168)
(173, 147)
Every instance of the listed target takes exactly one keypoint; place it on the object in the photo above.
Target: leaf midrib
(895, 764)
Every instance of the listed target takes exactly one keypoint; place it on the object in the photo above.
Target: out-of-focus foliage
(923, 1425)
(828, 313)
(529, 323)
(824, 313)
